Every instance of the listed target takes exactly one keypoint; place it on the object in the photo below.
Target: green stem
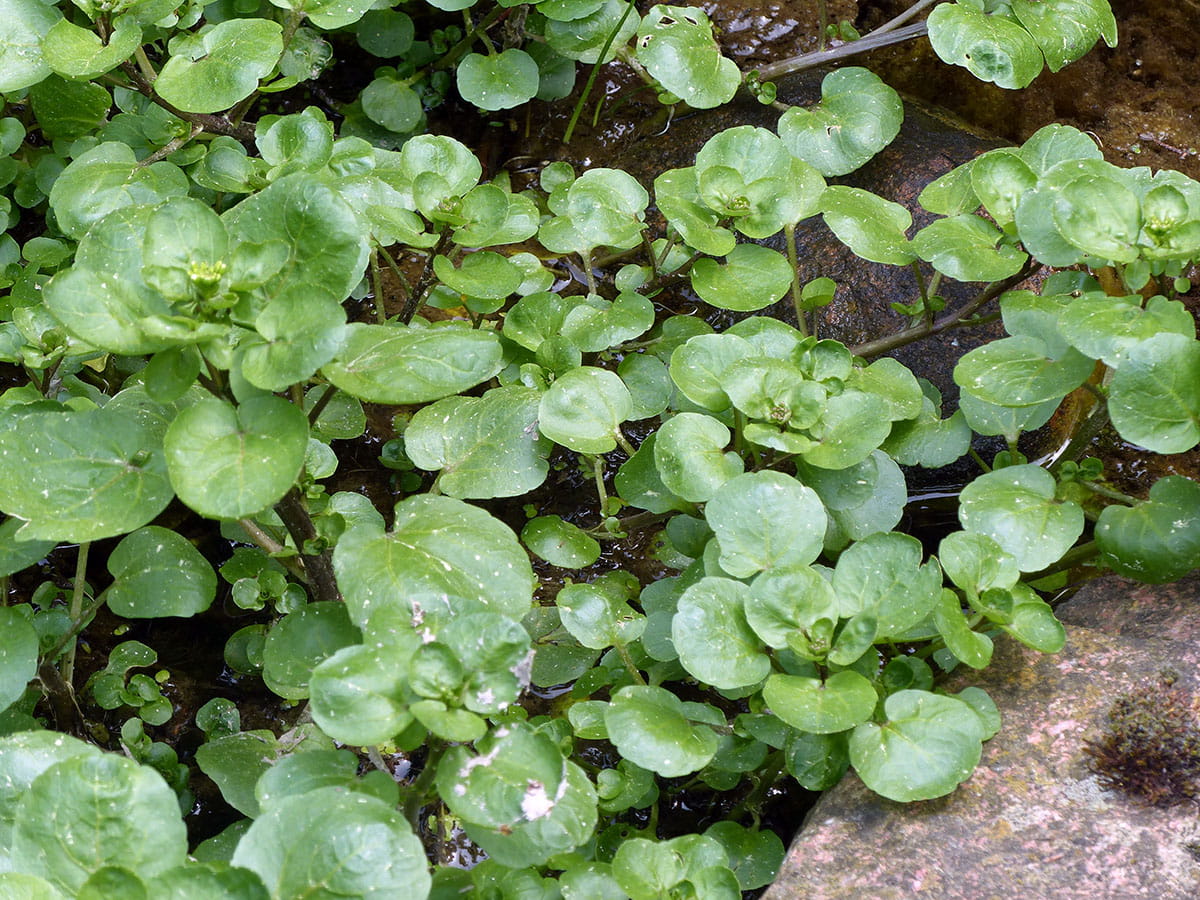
(591, 79)
(319, 406)
(1110, 493)
(789, 232)
(377, 288)
(417, 793)
(454, 53)
(623, 442)
(623, 652)
(318, 566)
(971, 451)
(601, 491)
(76, 608)
(764, 779)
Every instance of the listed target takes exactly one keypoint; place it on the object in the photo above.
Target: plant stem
(1110, 493)
(76, 608)
(266, 542)
(623, 652)
(872, 41)
(377, 287)
(417, 791)
(319, 567)
(319, 406)
(950, 320)
(598, 475)
(763, 780)
(591, 79)
(789, 232)
(623, 442)
(167, 149)
(416, 298)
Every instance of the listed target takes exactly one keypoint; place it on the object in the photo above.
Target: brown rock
(1033, 821)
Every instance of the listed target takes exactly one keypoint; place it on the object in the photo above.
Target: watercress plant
(183, 340)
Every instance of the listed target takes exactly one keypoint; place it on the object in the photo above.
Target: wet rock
(1033, 821)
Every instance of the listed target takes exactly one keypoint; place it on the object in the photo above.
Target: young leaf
(964, 247)
(928, 745)
(752, 277)
(698, 367)
(300, 641)
(690, 456)
(857, 117)
(1106, 328)
(882, 575)
(1066, 29)
(969, 646)
(1016, 507)
(358, 693)
(598, 615)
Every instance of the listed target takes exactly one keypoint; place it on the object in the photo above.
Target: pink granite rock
(1033, 821)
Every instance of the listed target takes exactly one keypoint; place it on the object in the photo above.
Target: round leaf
(1154, 397)
(300, 641)
(843, 700)
(23, 25)
(752, 277)
(992, 47)
(158, 572)
(1018, 371)
(392, 103)
(1016, 507)
(354, 845)
(502, 81)
(74, 820)
(869, 225)
(926, 748)
(712, 637)
(560, 543)
(649, 728)
(18, 655)
(584, 408)
(229, 462)
(857, 117)
(763, 520)
(964, 247)
(1155, 541)
(358, 694)
(690, 455)
(676, 46)
(221, 66)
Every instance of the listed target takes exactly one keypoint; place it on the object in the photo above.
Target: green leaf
(19, 886)
(677, 47)
(714, 641)
(403, 365)
(858, 116)
(358, 694)
(639, 484)
(23, 25)
(300, 641)
(106, 178)
(354, 845)
(229, 462)
(754, 856)
(1054, 143)
(67, 109)
(1106, 328)
(158, 572)
(926, 748)
(584, 408)
(560, 543)
(501, 81)
(235, 762)
(1158, 540)
(598, 615)
(964, 247)
(862, 499)
(882, 575)
(219, 67)
(841, 701)
(1019, 371)
(752, 277)
(1033, 622)
(393, 104)
(1016, 507)
(1101, 216)
(968, 646)
(438, 547)
(977, 563)
(764, 520)
(80, 476)
(1000, 178)
(74, 820)
(690, 456)
(583, 38)
(1066, 29)
(869, 225)
(748, 173)
(852, 425)
(485, 446)
(597, 324)
(698, 367)
(198, 881)
(17, 554)
(648, 727)
(78, 52)
(18, 655)
(648, 870)
(1154, 397)
(992, 47)
(604, 208)
(677, 195)
(785, 600)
